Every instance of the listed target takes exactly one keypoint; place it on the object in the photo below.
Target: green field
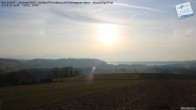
(30, 96)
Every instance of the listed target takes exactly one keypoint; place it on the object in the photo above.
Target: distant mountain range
(14, 64)
(193, 62)
(9, 65)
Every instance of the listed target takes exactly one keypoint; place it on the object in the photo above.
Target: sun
(107, 34)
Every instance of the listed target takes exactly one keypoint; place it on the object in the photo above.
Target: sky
(134, 30)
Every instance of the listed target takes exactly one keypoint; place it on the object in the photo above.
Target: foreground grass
(30, 96)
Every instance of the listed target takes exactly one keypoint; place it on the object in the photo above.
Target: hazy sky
(128, 30)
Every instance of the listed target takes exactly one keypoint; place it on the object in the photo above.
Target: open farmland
(151, 95)
(107, 91)
(30, 96)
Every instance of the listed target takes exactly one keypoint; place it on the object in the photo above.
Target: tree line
(35, 75)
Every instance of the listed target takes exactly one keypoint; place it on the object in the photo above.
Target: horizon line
(119, 61)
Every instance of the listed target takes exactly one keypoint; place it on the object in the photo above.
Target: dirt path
(150, 95)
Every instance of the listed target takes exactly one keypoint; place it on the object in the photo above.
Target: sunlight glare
(107, 34)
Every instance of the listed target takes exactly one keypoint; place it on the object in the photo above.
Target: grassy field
(120, 91)
(30, 96)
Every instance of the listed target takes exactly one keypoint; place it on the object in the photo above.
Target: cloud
(82, 17)
(138, 7)
(91, 16)
(75, 16)
(187, 33)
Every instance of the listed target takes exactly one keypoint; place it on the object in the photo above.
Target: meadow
(30, 96)
(122, 91)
